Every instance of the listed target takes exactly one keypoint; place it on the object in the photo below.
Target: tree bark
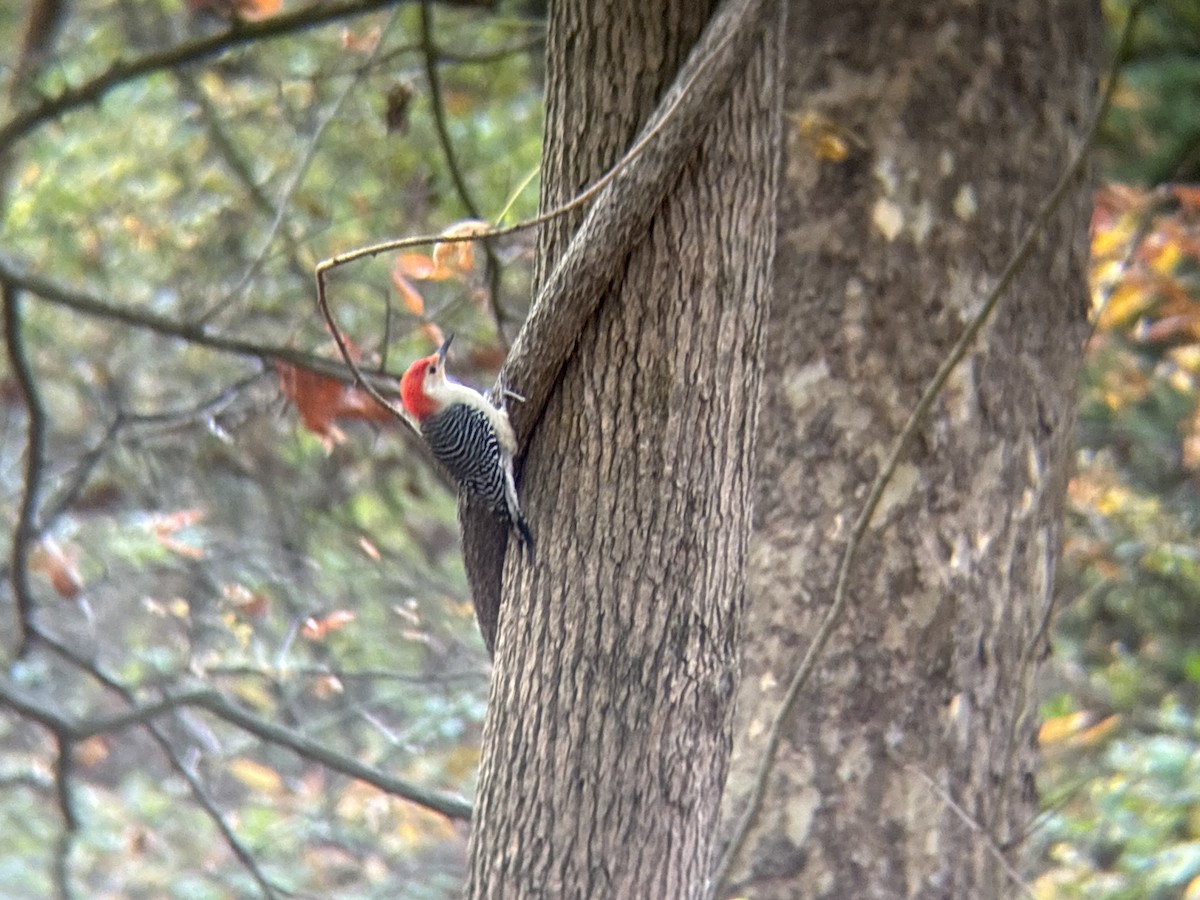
(607, 736)
(908, 767)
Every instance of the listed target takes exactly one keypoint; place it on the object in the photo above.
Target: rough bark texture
(618, 217)
(964, 116)
(607, 737)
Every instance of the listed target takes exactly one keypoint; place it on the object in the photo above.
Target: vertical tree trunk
(961, 119)
(607, 737)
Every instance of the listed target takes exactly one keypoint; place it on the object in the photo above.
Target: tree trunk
(959, 119)
(607, 738)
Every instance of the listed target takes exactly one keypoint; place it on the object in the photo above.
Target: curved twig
(626, 198)
(626, 195)
(632, 194)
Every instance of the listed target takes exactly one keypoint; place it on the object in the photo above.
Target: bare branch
(214, 702)
(199, 794)
(27, 707)
(26, 529)
(900, 445)
(449, 805)
(66, 798)
(296, 178)
(240, 850)
(210, 699)
(90, 305)
(680, 98)
(92, 91)
(432, 56)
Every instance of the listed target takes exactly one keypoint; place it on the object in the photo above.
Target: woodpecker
(467, 434)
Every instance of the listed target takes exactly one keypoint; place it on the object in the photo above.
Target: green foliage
(1121, 780)
(1153, 133)
(197, 531)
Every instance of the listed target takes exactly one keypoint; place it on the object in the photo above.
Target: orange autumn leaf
(361, 42)
(409, 295)
(251, 604)
(433, 333)
(59, 567)
(420, 267)
(825, 137)
(316, 396)
(458, 255)
(92, 751)
(325, 686)
(368, 547)
(165, 526)
(169, 523)
(1188, 195)
(256, 10)
(316, 628)
(1098, 732)
(1062, 728)
(241, 10)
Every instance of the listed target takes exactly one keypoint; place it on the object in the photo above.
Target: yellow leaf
(826, 138)
(1114, 240)
(256, 776)
(1129, 301)
(253, 693)
(1097, 732)
(1166, 258)
(1061, 727)
(461, 762)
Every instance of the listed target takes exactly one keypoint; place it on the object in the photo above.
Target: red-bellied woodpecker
(467, 434)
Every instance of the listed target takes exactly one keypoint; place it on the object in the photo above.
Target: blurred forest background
(207, 527)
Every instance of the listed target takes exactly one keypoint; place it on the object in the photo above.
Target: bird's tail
(524, 535)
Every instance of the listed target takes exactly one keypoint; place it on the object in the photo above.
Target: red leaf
(322, 401)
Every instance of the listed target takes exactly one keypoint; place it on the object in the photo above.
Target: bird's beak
(441, 353)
